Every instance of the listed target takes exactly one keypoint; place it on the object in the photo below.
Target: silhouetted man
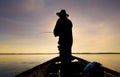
(63, 29)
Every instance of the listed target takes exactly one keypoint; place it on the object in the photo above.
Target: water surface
(11, 65)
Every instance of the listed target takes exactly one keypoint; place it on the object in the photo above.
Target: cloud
(33, 5)
(22, 9)
(97, 36)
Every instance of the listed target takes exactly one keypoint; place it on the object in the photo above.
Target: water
(11, 65)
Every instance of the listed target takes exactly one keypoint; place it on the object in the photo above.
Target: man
(63, 29)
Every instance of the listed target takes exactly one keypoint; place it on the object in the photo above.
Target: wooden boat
(52, 67)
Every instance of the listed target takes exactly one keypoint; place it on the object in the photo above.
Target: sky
(26, 26)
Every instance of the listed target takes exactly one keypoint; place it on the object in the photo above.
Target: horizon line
(58, 53)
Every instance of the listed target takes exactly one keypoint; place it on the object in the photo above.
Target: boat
(52, 68)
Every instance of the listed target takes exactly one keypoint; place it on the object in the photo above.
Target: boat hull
(52, 68)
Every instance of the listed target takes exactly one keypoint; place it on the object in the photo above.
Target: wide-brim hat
(62, 13)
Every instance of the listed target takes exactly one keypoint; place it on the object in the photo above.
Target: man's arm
(56, 29)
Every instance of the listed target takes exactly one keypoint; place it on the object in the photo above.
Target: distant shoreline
(53, 53)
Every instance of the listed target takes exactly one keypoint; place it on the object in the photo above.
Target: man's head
(62, 13)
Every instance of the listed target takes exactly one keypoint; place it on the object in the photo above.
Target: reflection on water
(11, 65)
(111, 61)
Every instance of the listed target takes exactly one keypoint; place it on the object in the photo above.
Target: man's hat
(62, 13)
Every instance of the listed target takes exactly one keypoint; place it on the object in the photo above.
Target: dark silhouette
(63, 29)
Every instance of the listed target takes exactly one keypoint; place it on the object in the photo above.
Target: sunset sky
(26, 26)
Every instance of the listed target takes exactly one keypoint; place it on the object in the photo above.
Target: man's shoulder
(69, 20)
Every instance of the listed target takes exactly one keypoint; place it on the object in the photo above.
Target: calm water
(10, 65)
